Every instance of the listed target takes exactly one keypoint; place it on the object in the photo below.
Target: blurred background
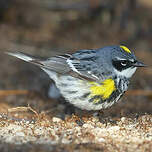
(50, 27)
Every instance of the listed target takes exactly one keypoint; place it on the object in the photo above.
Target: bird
(90, 79)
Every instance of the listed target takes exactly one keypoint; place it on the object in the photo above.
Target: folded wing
(77, 65)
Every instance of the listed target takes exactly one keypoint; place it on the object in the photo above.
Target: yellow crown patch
(105, 89)
(125, 48)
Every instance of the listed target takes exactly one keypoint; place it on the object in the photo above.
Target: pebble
(101, 140)
(21, 134)
(114, 128)
(55, 119)
(88, 126)
(123, 119)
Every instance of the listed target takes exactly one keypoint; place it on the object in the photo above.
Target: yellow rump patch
(125, 49)
(104, 89)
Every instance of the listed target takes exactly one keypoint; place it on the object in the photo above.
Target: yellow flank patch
(125, 49)
(104, 89)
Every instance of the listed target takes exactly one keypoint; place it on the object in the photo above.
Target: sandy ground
(107, 130)
(123, 134)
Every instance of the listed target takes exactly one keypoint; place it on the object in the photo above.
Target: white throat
(127, 72)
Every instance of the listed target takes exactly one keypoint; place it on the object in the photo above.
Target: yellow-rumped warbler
(90, 79)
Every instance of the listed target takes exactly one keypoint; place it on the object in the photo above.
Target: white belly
(73, 89)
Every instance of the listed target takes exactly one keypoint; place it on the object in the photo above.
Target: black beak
(139, 64)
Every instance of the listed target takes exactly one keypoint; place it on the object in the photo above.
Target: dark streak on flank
(94, 98)
(70, 92)
(64, 85)
(112, 97)
(85, 95)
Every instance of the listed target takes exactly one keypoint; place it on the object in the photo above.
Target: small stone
(101, 140)
(55, 119)
(66, 141)
(88, 126)
(21, 134)
(123, 119)
(114, 128)
(38, 131)
(144, 118)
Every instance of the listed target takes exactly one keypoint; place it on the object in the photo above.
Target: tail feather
(21, 56)
(56, 64)
(26, 57)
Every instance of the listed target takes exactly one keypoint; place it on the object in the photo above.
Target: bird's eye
(123, 63)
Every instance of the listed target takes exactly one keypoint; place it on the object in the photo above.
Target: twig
(23, 109)
(13, 92)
